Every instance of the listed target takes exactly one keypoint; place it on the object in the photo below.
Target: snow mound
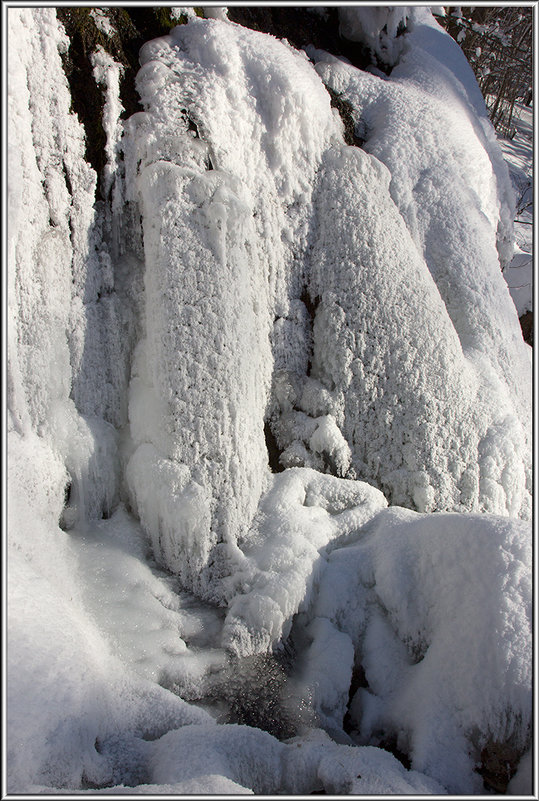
(448, 180)
(437, 609)
(450, 186)
(302, 513)
(267, 766)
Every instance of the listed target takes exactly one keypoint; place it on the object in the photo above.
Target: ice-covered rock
(273, 267)
(380, 28)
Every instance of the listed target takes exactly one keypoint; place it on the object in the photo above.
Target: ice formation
(250, 290)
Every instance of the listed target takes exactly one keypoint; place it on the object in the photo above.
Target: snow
(67, 685)
(240, 270)
(268, 766)
(107, 73)
(518, 153)
(430, 603)
(39, 245)
(301, 514)
(178, 12)
(450, 185)
(153, 626)
(522, 781)
(215, 12)
(207, 343)
(252, 215)
(102, 21)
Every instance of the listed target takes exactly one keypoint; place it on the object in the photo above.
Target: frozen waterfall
(269, 420)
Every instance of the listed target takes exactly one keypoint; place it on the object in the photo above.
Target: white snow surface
(303, 512)
(347, 303)
(450, 185)
(220, 256)
(102, 21)
(518, 153)
(404, 595)
(227, 194)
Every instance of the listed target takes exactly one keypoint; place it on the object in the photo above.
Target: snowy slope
(518, 153)
(249, 284)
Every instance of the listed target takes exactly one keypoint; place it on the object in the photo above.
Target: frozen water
(451, 188)
(302, 513)
(241, 280)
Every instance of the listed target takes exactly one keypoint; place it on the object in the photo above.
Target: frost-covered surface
(518, 153)
(450, 184)
(303, 512)
(70, 683)
(220, 256)
(274, 228)
(249, 279)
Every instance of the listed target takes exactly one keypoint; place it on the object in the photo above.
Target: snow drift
(254, 291)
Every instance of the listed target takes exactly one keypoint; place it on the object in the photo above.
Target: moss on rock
(345, 109)
(132, 27)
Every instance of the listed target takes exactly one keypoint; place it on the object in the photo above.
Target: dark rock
(498, 766)
(345, 109)
(389, 743)
(133, 25)
(357, 680)
(274, 452)
(526, 323)
(302, 27)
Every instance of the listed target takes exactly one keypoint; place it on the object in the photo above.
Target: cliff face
(255, 296)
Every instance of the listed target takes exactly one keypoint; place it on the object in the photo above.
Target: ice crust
(220, 254)
(346, 301)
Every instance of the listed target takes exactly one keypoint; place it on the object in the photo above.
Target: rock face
(121, 32)
(526, 322)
